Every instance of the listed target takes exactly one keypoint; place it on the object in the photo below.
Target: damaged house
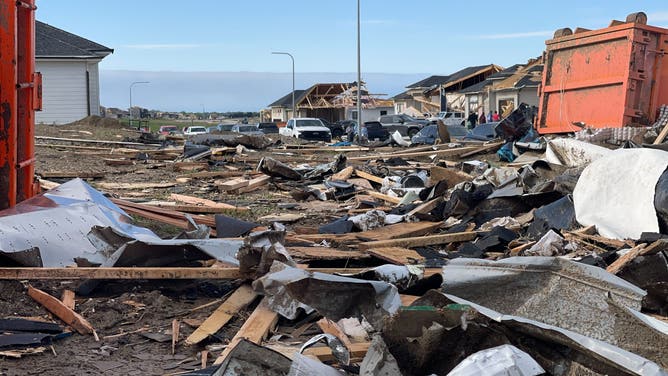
(332, 102)
(505, 90)
(440, 93)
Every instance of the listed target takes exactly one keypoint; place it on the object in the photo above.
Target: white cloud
(528, 34)
(167, 46)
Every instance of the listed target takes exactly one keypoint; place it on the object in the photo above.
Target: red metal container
(607, 78)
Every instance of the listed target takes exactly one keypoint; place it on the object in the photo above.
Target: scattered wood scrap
(397, 255)
(60, 310)
(421, 241)
(240, 299)
(68, 299)
(255, 329)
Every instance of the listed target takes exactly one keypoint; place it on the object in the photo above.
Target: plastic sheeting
(616, 193)
(504, 360)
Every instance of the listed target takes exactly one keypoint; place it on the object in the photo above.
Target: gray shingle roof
(286, 101)
(430, 81)
(52, 42)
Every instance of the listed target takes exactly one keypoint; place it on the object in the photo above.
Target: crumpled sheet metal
(573, 153)
(63, 224)
(570, 295)
(287, 289)
(616, 193)
(378, 360)
(402, 276)
(302, 365)
(621, 358)
(339, 350)
(504, 360)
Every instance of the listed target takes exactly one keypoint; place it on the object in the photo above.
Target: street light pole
(359, 78)
(131, 85)
(293, 78)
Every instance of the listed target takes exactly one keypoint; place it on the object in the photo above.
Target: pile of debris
(381, 262)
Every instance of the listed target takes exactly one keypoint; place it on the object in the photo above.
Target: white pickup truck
(194, 130)
(310, 129)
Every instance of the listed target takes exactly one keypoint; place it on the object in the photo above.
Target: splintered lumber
(134, 185)
(384, 197)
(421, 241)
(60, 310)
(662, 136)
(368, 176)
(621, 262)
(187, 208)
(407, 300)
(232, 184)
(397, 255)
(450, 175)
(399, 230)
(254, 184)
(426, 207)
(47, 184)
(343, 174)
(190, 166)
(324, 253)
(330, 327)
(213, 174)
(255, 329)
(324, 353)
(482, 149)
(68, 299)
(120, 273)
(239, 300)
(98, 142)
(204, 202)
(172, 217)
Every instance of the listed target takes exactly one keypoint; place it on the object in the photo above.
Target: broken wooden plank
(232, 184)
(204, 202)
(118, 162)
(368, 176)
(343, 174)
(120, 273)
(407, 300)
(176, 328)
(426, 207)
(254, 184)
(621, 262)
(397, 255)
(213, 174)
(239, 300)
(482, 149)
(188, 208)
(441, 153)
(662, 136)
(330, 327)
(450, 175)
(399, 230)
(254, 329)
(68, 299)
(324, 353)
(47, 184)
(134, 185)
(190, 166)
(384, 197)
(324, 253)
(421, 241)
(55, 306)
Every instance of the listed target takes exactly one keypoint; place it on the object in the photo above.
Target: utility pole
(293, 79)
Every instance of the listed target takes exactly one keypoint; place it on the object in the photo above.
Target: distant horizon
(228, 91)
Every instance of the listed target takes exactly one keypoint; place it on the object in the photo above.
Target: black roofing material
(52, 42)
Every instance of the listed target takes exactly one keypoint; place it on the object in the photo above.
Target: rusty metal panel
(605, 78)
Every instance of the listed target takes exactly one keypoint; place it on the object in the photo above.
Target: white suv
(450, 118)
(310, 129)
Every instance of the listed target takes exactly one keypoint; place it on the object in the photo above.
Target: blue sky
(410, 38)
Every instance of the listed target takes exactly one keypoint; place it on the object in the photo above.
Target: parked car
(450, 118)
(429, 134)
(212, 129)
(167, 129)
(406, 125)
(225, 127)
(310, 129)
(267, 128)
(376, 131)
(189, 131)
(246, 129)
(337, 129)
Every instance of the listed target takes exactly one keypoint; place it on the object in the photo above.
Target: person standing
(489, 117)
(473, 118)
(496, 116)
(482, 119)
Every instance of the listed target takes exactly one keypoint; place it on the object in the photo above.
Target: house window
(473, 103)
(383, 112)
(506, 106)
(353, 114)
(400, 107)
